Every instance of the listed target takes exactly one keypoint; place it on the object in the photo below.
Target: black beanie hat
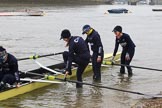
(117, 29)
(65, 34)
(2, 49)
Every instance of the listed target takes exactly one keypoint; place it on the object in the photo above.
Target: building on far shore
(83, 2)
(146, 2)
(157, 2)
(58, 1)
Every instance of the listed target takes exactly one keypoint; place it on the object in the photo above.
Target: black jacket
(126, 42)
(95, 42)
(77, 47)
(10, 67)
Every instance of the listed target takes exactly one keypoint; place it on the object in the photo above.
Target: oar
(32, 73)
(39, 80)
(48, 77)
(110, 88)
(39, 56)
(46, 68)
(139, 67)
(99, 86)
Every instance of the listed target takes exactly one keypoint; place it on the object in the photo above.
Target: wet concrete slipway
(24, 36)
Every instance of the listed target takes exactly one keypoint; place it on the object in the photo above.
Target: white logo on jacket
(91, 44)
(123, 44)
(76, 40)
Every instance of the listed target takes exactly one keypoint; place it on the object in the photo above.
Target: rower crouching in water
(128, 49)
(9, 73)
(78, 53)
(96, 46)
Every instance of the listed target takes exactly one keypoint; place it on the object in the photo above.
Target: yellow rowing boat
(30, 86)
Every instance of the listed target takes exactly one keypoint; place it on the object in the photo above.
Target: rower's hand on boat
(127, 57)
(99, 59)
(18, 85)
(66, 73)
(112, 60)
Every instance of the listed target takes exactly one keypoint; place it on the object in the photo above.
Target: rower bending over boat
(128, 49)
(96, 46)
(78, 53)
(9, 73)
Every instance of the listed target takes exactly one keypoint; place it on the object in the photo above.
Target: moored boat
(158, 10)
(23, 13)
(27, 86)
(36, 13)
(118, 11)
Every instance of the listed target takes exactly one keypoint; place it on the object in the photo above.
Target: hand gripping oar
(48, 69)
(110, 88)
(39, 56)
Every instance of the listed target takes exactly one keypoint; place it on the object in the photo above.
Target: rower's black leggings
(8, 78)
(126, 62)
(82, 64)
(96, 66)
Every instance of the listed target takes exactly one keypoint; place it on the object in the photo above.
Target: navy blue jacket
(95, 42)
(77, 47)
(10, 67)
(126, 42)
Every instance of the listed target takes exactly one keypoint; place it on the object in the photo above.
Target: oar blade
(46, 68)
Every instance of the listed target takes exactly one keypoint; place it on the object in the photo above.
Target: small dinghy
(118, 11)
(157, 10)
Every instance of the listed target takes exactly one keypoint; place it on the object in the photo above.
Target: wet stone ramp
(149, 103)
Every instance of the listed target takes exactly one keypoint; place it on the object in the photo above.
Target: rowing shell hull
(36, 85)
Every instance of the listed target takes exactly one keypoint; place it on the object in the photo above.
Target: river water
(24, 36)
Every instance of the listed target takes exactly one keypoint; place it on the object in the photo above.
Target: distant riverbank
(58, 2)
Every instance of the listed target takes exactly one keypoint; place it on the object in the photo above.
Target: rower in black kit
(128, 49)
(94, 39)
(78, 53)
(9, 73)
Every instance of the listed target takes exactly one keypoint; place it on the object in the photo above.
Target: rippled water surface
(24, 36)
